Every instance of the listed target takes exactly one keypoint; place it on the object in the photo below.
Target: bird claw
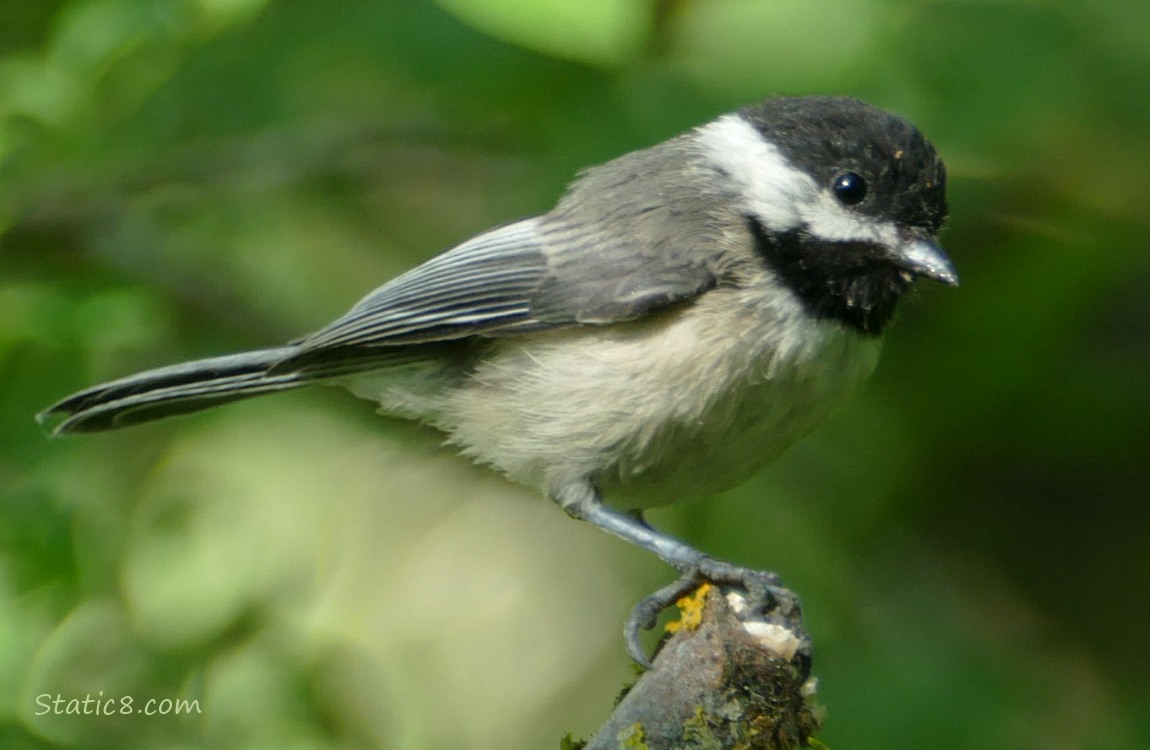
(646, 612)
(763, 591)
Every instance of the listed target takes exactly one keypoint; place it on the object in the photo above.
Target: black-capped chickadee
(684, 314)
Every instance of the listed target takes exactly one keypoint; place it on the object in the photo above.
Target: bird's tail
(177, 389)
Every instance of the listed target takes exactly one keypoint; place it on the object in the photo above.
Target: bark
(728, 678)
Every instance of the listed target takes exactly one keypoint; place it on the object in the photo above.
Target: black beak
(925, 259)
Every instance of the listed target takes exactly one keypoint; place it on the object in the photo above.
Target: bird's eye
(849, 188)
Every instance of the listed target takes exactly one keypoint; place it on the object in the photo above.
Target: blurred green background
(971, 537)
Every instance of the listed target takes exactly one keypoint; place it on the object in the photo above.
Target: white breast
(681, 405)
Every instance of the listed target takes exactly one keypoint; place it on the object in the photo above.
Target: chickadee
(682, 315)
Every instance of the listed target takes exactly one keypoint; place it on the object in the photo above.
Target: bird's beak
(924, 258)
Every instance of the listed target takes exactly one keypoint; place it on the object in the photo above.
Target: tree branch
(728, 678)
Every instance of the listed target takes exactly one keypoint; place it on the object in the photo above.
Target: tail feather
(177, 389)
(204, 383)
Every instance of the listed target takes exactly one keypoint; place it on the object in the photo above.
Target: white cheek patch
(828, 219)
(778, 194)
(774, 189)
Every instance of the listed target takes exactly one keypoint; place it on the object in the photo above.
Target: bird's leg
(637, 514)
(582, 501)
(764, 590)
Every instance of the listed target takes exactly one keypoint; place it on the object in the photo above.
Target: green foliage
(601, 32)
(568, 742)
(633, 738)
(185, 177)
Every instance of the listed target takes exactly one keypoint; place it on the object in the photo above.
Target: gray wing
(609, 252)
(481, 286)
(633, 236)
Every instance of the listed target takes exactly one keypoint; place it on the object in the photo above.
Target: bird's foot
(763, 599)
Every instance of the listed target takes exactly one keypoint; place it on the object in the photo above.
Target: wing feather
(615, 248)
(485, 283)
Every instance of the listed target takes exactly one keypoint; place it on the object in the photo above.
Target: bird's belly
(688, 460)
(748, 426)
(656, 413)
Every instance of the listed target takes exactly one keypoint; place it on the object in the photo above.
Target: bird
(683, 314)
